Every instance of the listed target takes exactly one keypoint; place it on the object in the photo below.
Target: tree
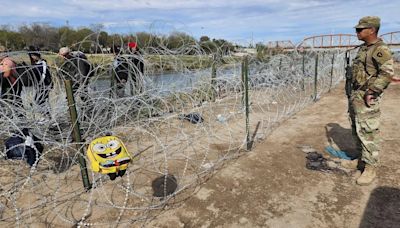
(204, 39)
(224, 46)
(66, 35)
(84, 40)
(52, 39)
(11, 40)
(103, 37)
(144, 39)
(209, 47)
(40, 35)
(181, 42)
(46, 37)
(102, 40)
(261, 50)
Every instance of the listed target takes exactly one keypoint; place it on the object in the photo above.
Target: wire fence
(180, 120)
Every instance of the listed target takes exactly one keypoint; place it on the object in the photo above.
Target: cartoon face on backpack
(108, 155)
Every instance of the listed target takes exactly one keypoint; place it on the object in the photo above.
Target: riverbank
(271, 187)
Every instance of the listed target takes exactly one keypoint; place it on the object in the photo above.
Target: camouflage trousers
(365, 127)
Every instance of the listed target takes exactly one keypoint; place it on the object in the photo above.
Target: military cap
(369, 22)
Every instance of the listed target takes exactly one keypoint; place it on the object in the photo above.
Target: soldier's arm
(383, 58)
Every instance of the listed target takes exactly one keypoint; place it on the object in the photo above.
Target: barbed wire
(178, 122)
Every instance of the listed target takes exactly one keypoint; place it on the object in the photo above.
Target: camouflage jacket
(372, 68)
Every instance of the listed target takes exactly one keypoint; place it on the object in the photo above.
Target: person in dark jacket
(128, 67)
(43, 81)
(76, 68)
(137, 64)
(120, 72)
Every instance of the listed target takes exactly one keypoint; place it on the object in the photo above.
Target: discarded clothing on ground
(315, 161)
(24, 145)
(193, 117)
(337, 153)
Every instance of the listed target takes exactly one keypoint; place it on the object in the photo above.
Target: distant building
(245, 51)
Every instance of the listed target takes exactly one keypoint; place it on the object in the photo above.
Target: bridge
(392, 39)
(330, 41)
(333, 41)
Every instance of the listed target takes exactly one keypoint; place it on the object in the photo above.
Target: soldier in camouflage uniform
(372, 71)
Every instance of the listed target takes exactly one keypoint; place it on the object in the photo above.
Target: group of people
(75, 66)
(13, 75)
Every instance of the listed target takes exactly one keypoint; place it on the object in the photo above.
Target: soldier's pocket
(359, 75)
(370, 125)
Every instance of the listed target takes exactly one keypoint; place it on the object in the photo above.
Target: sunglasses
(358, 30)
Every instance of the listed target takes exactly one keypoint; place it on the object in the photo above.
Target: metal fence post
(333, 63)
(76, 134)
(113, 86)
(242, 79)
(213, 79)
(245, 75)
(316, 77)
(304, 73)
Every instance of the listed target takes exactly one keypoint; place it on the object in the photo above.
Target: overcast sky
(237, 21)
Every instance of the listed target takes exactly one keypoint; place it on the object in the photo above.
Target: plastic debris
(337, 153)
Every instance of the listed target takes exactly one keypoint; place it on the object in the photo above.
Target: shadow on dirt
(383, 208)
(342, 138)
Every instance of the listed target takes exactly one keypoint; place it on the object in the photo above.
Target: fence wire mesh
(181, 119)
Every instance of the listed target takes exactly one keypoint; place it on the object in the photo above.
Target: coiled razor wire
(150, 123)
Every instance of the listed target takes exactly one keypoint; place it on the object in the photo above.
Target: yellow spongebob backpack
(108, 155)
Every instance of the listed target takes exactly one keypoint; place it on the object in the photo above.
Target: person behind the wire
(120, 71)
(76, 68)
(128, 66)
(43, 80)
(137, 64)
(11, 87)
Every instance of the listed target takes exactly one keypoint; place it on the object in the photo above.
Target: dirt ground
(271, 187)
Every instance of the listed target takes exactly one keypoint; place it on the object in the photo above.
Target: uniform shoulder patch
(382, 54)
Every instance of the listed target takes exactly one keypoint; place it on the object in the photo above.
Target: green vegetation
(154, 63)
(96, 40)
(264, 52)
